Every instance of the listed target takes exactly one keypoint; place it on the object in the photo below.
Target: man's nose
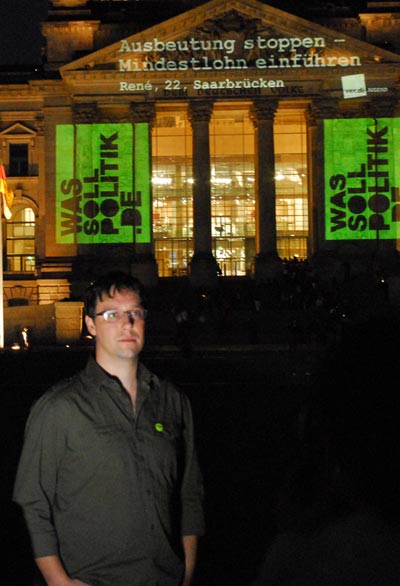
(129, 317)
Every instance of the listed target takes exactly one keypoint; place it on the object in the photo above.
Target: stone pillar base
(268, 267)
(203, 271)
(68, 315)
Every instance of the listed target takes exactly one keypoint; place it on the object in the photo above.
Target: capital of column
(87, 113)
(200, 111)
(263, 110)
(321, 108)
(143, 112)
(382, 106)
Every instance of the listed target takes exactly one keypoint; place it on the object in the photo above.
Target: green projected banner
(102, 183)
(362, 178)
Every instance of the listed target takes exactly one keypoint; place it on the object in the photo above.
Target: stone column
(360, 256)
(267, 261)
(143, 263)
(91, 260)
(203, 266)
(96, 259)
(317, 111)
(40, 146)
(386, 251)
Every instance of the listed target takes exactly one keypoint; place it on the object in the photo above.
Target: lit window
(21, 241)
(291, 185)
(172, 192)
(232, 189)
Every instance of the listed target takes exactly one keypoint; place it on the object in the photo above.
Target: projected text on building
(362, 178)
(102, 183)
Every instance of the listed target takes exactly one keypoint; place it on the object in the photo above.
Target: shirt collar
(97, 377)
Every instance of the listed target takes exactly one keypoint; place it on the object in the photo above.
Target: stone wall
(39, 319)
(51, 324)
(52, 290)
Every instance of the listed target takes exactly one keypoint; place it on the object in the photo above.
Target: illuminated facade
(216, 140)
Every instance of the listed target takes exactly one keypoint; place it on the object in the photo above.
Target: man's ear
(89, 321)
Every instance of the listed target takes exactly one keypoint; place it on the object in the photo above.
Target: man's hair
(108, 284)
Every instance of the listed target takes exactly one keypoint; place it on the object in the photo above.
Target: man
(108, 477)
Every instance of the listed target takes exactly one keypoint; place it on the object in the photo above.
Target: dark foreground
(245, 402)
(276, 456)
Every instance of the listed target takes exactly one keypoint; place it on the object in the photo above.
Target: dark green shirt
(110, 490)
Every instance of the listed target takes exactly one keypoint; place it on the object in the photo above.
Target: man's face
(120, 340)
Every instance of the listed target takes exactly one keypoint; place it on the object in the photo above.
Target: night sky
(20, 38)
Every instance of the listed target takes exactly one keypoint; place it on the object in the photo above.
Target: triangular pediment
(18, 129)
(220, 31)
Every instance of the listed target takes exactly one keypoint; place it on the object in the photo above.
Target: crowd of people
(303, 303)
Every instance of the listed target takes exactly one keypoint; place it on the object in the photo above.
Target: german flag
(6, 194)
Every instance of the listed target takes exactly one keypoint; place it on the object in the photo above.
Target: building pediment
(238, 38)
(18, 129)
(246, 28)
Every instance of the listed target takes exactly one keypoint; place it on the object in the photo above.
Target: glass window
(18, 160)
(172, 192)
(233, 207)
(232, 188)
(290, 145)
(21, 241)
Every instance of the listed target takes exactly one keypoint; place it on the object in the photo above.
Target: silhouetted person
(25, 338)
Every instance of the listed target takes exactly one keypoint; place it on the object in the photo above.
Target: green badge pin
(159, 427)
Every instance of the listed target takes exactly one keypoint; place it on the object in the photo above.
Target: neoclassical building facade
(196, 141)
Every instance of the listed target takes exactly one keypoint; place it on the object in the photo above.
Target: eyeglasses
(114, 315)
